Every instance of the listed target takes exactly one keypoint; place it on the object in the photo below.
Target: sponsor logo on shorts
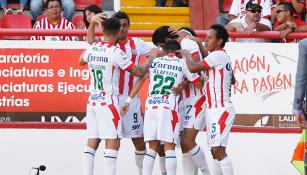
(135, 127)
(157, 100)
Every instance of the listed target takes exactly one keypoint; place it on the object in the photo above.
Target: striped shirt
(45, 23)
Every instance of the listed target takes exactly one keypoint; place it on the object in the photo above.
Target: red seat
(76, 19)
(16, 21)
(81, 4)
(226, 6)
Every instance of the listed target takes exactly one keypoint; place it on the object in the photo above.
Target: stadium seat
(226, 6)
(81, 4)
(76, 19)
(16, 21)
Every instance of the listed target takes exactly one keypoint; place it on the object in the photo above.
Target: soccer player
(105, 61)
(220, 111)
(132, 121)
(192, 107)
(161, 115)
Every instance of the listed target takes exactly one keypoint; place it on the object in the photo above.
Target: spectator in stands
(286, 22)
(298, 5)
(53, 20)
(237, 10)
(22, 5)
(176, 3)
(88, 14)
(36, 8)
(251, 22)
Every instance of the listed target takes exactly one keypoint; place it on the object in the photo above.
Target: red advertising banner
(42, 81)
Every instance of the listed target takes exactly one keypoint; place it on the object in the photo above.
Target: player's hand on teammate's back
(301, 121)
(183, 53)
(125, 108)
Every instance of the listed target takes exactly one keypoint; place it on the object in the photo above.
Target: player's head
(171, 46)
(111, 27)
(53, 9)
(89, 12)
(216, 38)
(125, 24)
(285, 10)
(161, 35)
(184, 31)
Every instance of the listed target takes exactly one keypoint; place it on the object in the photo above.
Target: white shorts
(132, 121)
(103, 121)
(194, 116)
(219, 123)
(161, 124)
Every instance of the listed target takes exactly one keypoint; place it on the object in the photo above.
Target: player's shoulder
(187, 41)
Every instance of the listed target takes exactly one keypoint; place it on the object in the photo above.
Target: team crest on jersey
(228, 66)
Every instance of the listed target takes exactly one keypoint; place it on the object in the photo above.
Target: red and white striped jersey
(238, 8)
(193, 48)
(45, 23)
(218, 86)
(166, 73)
(134, 49)
(105, 62)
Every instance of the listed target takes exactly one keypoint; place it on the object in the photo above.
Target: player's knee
(187, 143)
(218, 153)
(161, 151)
(139, 144)
(93, 143)
(169, 146)
(113, 144)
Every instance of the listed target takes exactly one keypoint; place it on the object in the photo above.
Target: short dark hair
(288, 6)
(121, 15)
(47, 3)
(111, 26)
(189, 30)
(221, 33)
(92, 8)
(172, 45)
(161, 34)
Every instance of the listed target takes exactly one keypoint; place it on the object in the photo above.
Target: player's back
(103, 58)
(164, 74)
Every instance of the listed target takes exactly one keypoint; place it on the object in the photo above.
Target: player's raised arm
(96, 20)
(133, 92)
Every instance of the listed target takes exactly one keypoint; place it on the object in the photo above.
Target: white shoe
(20, 12)
(8, 11)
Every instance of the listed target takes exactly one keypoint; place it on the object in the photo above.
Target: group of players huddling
(189, 90)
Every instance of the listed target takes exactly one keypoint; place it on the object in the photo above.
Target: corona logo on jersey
(92, 58)
(165, 66)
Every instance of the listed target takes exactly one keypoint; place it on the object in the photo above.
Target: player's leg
(168, 132)
(161, 153)
(140, 151)
(194, 122)
(150, 136)
(92, 142)
(110, 155)
(219, 125)
(133, 128)
(150, 157)
(110, 130)
(170, 158)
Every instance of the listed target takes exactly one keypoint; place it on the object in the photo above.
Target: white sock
(187, 164)
(162, 165)
(226, 166)
(139, 157)
(199, 159)
(170, 162)
(110, 158)
(149, 161)
(217, 167)
(88, 161)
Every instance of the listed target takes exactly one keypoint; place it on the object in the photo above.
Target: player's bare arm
(142, 70)
(202, 49)
(133, 92)
(96, 20)
(192, 65)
